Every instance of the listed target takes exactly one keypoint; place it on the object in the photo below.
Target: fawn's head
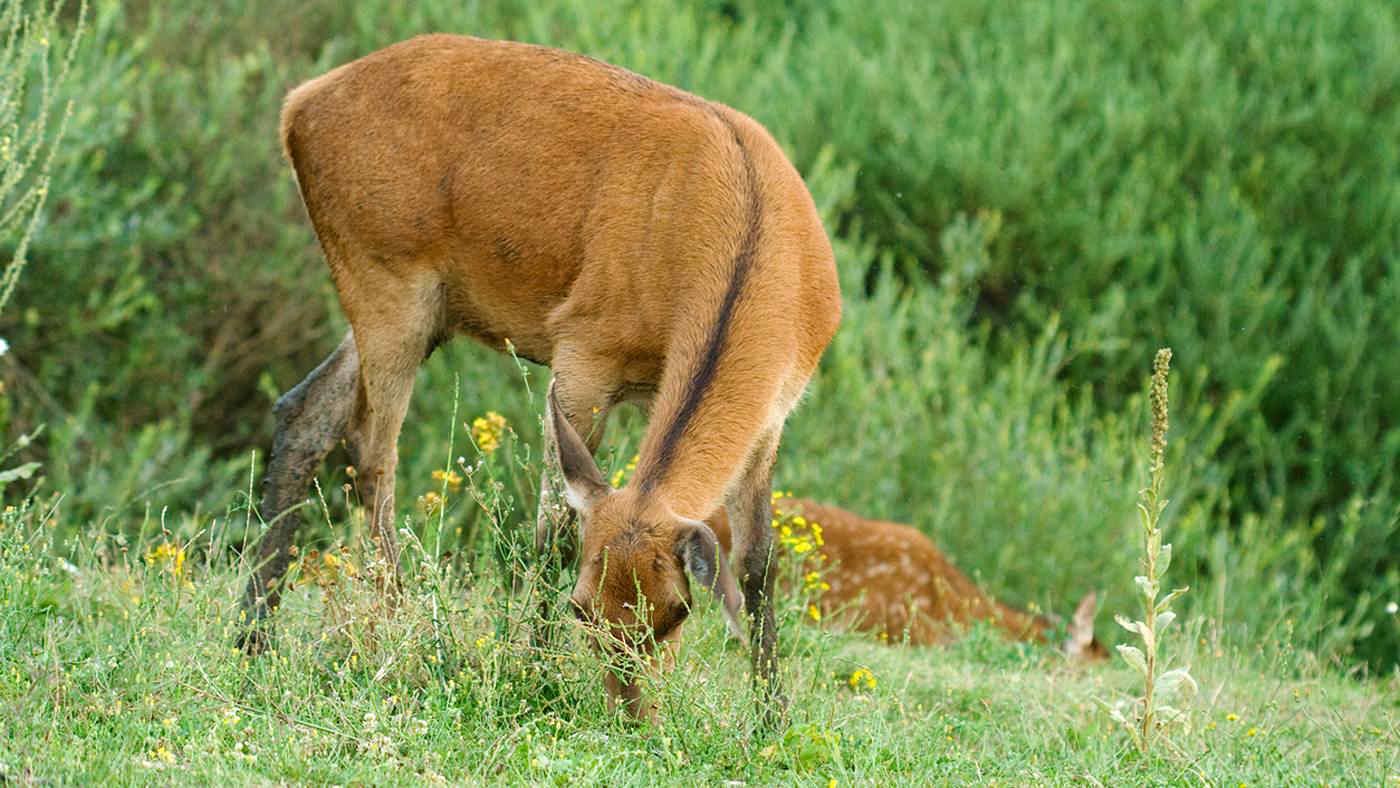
(635, 564)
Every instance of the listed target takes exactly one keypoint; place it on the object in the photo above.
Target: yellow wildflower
(814, 612)
(339, 565)
(487, 431)
(168, 557)
(161, 755)
(625, 471)
(1232, 716)
(429, 503)
(451, 478)
(862, 677)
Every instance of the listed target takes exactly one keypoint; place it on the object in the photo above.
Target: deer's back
(521, 172)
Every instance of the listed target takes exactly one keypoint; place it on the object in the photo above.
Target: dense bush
(1028, 199)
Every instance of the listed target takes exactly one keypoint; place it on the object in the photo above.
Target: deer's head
(637, 559)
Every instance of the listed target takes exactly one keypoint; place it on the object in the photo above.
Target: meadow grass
(116, 666)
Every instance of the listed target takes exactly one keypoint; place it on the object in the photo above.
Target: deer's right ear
(583, 481)
(702, 556)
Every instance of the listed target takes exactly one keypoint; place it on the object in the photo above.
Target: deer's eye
(670, 619)
(582, 612)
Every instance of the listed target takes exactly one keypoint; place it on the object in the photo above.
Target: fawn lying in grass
(890, 579)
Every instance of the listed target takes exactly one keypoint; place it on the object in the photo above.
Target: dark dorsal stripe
(714, 346)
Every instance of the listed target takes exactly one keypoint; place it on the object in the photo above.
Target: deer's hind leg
(311, 418)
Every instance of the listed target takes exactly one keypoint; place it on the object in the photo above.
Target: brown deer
(646, 244)
(890, 579)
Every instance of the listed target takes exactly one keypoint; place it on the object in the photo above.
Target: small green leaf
(1164, 560)
(1164, 620)
(1176, 681)
(22, 472)
(1146, 587)
(1168, 714)
(1128, 624)
(1134, 657)
(1167, 600)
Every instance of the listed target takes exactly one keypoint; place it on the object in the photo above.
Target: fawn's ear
(1081, 643)
(700, 553)
(583, 482)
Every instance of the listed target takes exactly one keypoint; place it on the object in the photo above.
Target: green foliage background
(1026, 200)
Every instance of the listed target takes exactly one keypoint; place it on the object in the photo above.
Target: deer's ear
(700, 553)
(583, 481)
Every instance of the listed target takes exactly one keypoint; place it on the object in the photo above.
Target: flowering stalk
(1142, 716)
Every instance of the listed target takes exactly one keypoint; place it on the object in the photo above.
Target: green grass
(114, 670)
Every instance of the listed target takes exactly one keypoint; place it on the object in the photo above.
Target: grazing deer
(646, 244)
(890, 579)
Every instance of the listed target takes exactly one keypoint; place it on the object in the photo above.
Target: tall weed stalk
(28, 135)
(1141, 717)
(28, 139)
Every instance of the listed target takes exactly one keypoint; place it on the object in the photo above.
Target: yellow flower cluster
(802, 538)
(862, 678)
(162, 756)
(487, 431)
(168, 557)
(796, 532)
(430, 503)
(451, 478)
(326, 569)
(624, 472)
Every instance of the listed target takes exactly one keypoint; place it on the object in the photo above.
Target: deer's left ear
(700, 553)
(583, 482)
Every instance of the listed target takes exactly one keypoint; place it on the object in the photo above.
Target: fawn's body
(644, 243)
(890, 579)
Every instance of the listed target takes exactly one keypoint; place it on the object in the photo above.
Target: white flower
(4, 346)
(1392, 608)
